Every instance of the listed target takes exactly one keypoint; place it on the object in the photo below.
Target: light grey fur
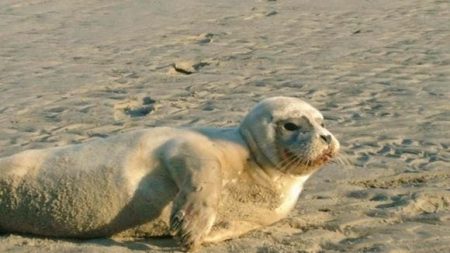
(200, 185)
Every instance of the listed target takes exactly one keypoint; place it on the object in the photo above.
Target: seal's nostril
(326, 138)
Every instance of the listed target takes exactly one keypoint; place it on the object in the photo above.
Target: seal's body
(201, 185)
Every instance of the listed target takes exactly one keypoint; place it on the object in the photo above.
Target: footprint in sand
(402, 180)
(417, 207)
(123, 76)
(133, 107)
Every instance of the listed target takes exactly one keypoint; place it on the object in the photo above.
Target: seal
(199, 185)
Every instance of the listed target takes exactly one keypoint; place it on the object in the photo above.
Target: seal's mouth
(288, 155)
(323, 158)
(327, 155)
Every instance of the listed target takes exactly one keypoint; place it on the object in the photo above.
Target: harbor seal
(199, 185)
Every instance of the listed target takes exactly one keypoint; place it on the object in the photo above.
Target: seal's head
(288, 134)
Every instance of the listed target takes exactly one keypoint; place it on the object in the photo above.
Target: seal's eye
(291, 126)
(322, 124)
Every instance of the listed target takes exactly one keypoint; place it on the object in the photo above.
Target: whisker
(300, 161)
(290, 161)
(282, 163)
(285, 164)
(342, 159)
(295, 163)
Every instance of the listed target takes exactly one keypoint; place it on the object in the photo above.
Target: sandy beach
(379, 71)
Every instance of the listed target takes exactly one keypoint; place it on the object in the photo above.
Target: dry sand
(379, 70)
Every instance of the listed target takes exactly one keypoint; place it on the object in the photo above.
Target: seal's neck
(287, 186)
(256, 153)
(291, 191)
(264, 172)
(263, 169)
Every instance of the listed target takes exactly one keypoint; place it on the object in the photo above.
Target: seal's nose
(326, 138)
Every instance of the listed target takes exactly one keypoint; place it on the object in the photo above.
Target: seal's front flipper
(191, 221)
(196, 171)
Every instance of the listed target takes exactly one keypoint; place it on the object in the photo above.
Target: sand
(379, 70)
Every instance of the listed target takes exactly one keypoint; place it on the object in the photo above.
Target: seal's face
(303, 144)
(288, 134)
